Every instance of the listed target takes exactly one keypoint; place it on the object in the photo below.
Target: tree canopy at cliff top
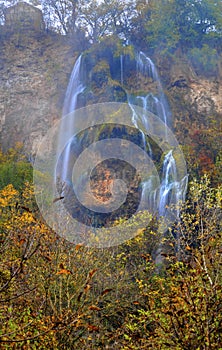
(165, 24)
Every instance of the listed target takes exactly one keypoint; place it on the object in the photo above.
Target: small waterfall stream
(121, 69)
(156, 103)
(170, 190)
(74, 89)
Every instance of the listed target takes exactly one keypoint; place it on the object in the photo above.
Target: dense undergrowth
(55, 295)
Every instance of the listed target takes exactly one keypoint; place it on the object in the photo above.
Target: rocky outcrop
(195, 100)
(205, 96)
(23, 16)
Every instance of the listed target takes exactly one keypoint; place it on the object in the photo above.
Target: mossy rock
(100, 73)
(116, 93)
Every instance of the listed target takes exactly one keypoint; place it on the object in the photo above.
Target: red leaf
(92, 328)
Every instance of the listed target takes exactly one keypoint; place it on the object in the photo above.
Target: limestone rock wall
(195, 100)
(34, 72)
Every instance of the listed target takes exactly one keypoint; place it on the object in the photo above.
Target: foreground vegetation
(58, 296)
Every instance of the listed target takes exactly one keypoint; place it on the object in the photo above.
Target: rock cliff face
(23, 16)
(34, 74)
(35, 69)
(194, 98)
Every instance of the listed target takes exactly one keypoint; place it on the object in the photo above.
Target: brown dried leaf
(105, 291)
(92, 273)
(79, 296)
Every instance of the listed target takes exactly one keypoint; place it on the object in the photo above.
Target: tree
(14, 168)
(181, 309)
(61, 14)
(169, 24)
(3, 5)
(99, 19)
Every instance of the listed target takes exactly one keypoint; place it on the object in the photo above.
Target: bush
(204, 60)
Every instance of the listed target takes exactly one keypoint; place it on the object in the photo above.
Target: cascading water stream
(169, 184)
(74, 89)
(157, 102)
(170, 188)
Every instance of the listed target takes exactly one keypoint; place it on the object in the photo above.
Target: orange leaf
(22, 241)
(94, 307)
(64, 272)
(86, 288)
(105, 291)
(78, 246)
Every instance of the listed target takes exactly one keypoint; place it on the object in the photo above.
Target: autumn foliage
(55, 295)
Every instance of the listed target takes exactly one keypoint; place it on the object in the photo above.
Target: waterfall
(170, 189)
(154, 103)
(146, 66)
(121, 69)
(157, 104)
(74, 89)
(157, 193)
(169, 185)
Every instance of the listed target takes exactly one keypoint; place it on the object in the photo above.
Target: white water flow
(170, 189)
(169, 184)
(121, 69)
(157, 102)
(74, 89)
(158, 194)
